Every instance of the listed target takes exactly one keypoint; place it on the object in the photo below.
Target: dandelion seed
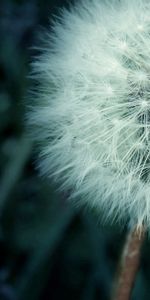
(140, 27)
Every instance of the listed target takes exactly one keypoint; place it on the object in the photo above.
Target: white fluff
(91, 109)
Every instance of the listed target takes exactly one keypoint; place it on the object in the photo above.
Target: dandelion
(92, 107)
(91, 110)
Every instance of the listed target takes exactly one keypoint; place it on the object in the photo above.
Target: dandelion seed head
(91, 110)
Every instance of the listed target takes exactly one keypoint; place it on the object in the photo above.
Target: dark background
(48, 249)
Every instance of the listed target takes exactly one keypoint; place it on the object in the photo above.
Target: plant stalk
(129, 264)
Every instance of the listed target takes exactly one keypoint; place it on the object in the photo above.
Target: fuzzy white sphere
(92, 106)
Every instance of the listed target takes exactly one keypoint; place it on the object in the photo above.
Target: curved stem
(129, 264)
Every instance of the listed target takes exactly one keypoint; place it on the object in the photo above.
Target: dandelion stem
(129, 264)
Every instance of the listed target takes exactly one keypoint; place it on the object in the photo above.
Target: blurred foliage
(48, 249)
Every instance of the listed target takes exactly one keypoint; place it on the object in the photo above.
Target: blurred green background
(48, 249)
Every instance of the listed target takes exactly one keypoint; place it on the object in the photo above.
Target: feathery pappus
(91, 109)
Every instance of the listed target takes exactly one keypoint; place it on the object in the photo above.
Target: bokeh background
(48, 248)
